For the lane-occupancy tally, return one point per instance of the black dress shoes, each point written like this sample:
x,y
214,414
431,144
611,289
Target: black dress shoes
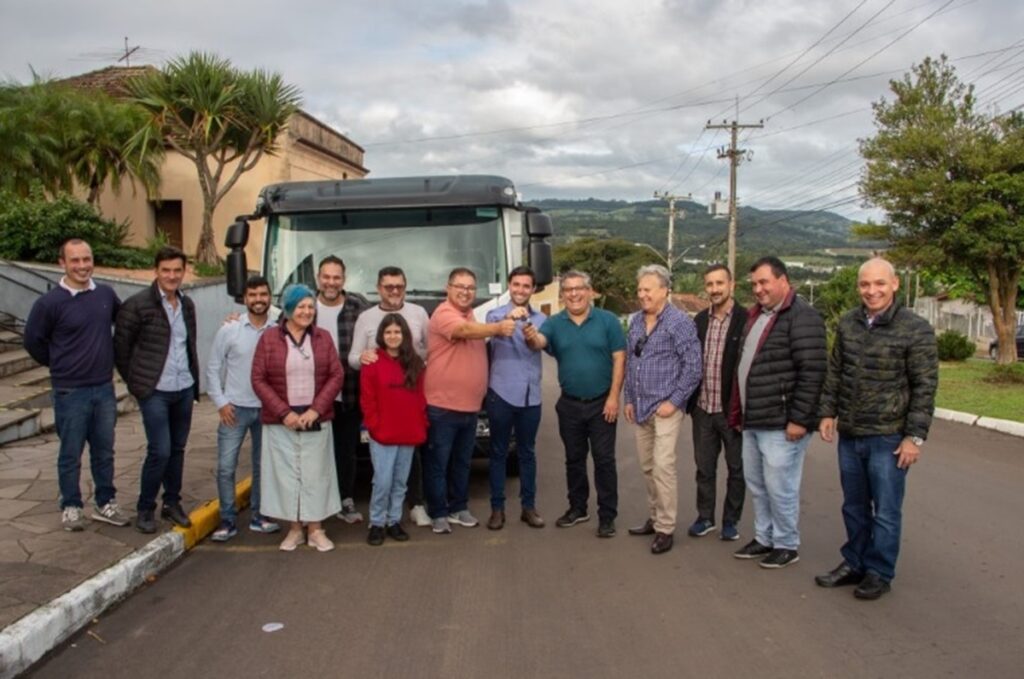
x,y
176,514
144,522
662,543
840,576
871,587
647,528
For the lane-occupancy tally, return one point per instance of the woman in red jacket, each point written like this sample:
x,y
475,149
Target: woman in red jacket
x,y
395,415
296,375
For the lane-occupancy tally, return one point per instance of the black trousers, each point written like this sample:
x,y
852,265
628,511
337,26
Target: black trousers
x,y
583,429
345,427
711,433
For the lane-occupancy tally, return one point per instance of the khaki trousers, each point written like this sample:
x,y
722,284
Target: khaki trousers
x,y
656,451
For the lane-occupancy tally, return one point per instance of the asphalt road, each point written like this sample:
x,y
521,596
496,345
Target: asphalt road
x,y
522,602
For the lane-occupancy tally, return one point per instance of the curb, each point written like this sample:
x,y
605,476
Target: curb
x,y
28,639
31,637
1003,426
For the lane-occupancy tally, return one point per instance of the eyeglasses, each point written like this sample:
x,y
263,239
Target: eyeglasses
x,y
569,291
463,288
639,349
396,287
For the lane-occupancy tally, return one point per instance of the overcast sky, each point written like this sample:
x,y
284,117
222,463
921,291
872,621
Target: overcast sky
x,y
568,98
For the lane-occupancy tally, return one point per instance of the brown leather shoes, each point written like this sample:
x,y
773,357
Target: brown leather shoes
x,y
661,544
497,520
531,518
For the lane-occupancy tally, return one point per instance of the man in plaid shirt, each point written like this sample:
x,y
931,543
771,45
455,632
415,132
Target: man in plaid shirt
x,y
720,330
663,367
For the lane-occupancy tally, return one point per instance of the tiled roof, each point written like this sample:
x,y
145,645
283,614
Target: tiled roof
x,y
110,80
691,304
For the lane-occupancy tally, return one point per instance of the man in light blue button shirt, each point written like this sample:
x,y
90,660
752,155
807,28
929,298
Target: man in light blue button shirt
x,y
229,386
513,399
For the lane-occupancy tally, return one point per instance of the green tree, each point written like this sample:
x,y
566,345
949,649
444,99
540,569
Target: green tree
x,y
612,265
952,184
837,295
222,119
53,136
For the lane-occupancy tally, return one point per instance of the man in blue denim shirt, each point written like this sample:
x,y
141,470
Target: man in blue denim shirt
x,y
513,399
663,367
229,386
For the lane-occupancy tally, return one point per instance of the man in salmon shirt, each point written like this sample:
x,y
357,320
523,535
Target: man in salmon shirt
x,y
455,385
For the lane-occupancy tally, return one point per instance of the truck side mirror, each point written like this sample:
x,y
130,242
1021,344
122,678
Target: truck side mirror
x,y
237,268
538,227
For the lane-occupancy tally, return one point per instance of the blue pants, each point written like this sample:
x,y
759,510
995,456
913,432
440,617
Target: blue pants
x,y
167,419
446,460
525,420
229,444
773,468
81,415
391,466
873,488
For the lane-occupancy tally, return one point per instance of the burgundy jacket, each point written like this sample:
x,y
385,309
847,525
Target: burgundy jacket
x,y
270,381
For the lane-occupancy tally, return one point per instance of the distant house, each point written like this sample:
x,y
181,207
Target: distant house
x,y
309,150
691,304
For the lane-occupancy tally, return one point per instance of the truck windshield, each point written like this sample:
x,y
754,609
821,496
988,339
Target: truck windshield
x,y
426,243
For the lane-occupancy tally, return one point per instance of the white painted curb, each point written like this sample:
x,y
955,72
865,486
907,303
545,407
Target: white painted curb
x,y
1004,426
955,416
31,637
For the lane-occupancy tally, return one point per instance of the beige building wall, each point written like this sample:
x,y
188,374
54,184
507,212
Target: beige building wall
x,y
309,150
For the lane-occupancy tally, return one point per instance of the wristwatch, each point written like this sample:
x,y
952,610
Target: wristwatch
x,y
918,441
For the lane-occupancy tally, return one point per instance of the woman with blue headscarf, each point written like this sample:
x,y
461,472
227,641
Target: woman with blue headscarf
x,y
296,374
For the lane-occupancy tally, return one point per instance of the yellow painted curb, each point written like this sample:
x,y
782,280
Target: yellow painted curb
x,y
206,518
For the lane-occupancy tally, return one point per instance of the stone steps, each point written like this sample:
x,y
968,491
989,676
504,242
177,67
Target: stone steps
x,y
26,408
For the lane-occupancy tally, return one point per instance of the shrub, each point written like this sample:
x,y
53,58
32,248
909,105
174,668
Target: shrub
x,y
955,346
33,228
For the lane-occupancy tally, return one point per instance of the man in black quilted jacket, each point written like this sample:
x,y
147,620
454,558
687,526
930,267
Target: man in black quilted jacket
x,y
880,395
775,401
155,352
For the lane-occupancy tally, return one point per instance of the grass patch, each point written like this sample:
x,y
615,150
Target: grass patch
x,y
963,386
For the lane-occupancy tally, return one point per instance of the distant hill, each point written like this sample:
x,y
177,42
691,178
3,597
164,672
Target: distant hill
x,y
764,231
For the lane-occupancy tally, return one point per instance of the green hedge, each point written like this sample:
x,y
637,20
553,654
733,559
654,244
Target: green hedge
x,y
33,228
955,346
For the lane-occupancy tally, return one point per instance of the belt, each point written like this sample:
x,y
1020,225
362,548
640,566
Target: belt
x,y
570,397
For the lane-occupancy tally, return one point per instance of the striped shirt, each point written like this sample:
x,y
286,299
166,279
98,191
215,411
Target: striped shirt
x,y
710,400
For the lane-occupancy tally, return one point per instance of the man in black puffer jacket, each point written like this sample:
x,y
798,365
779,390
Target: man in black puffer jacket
x,y
155,352
775,401
881,384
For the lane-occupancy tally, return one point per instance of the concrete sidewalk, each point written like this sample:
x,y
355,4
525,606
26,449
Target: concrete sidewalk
x,y
40,562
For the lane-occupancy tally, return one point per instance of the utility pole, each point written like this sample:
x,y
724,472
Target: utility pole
x,y
735,156
671,200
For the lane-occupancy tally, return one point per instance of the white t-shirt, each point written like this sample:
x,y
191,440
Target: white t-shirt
x,y
327,318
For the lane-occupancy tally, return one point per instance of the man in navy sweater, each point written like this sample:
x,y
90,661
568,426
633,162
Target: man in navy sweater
x,y
69,330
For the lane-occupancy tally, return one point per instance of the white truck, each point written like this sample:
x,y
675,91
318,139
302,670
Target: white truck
x,y
425,225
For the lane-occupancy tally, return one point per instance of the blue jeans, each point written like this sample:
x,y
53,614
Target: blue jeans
x,y
872,502
85,414
391,466
503,418
229,444
773,467
167,419
446,460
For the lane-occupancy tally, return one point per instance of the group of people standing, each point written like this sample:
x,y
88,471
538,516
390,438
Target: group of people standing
x,y
757,383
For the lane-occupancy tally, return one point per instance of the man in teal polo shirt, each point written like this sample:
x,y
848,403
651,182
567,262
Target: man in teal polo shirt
x,y
591,351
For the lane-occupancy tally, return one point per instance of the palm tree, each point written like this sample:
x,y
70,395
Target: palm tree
x,y
214,115
98,148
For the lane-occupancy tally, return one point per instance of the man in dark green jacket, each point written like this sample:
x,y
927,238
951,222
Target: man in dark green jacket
x,y
880,395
